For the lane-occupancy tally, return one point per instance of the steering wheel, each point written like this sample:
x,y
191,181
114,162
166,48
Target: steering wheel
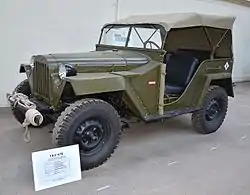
x,y
151,43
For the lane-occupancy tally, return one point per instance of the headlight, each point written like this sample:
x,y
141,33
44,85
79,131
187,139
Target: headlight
x,y
66,70
62,71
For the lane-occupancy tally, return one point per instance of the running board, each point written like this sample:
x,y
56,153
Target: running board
x,y
170,114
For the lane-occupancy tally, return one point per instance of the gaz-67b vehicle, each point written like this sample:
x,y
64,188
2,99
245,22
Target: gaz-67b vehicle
x,y
148,67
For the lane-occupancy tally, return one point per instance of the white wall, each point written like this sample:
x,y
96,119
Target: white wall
x,y
29,27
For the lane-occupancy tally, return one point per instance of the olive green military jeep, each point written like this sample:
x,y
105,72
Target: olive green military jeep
x,y
149,67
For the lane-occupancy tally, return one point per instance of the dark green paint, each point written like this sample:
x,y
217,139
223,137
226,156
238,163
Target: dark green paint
x,y
137,72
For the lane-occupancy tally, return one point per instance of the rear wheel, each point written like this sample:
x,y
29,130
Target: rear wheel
x,y
92,124
211,116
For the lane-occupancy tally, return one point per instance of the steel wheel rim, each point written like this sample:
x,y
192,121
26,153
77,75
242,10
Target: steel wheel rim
x,y
91,135
213,110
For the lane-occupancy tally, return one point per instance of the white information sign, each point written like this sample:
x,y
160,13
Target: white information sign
x,y
56,166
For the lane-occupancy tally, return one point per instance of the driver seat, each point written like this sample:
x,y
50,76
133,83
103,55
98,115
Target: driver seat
x,y
179,71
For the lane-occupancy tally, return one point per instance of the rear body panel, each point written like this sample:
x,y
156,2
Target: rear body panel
x,y
193,95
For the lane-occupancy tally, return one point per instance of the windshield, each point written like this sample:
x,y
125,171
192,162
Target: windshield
x,y
149,37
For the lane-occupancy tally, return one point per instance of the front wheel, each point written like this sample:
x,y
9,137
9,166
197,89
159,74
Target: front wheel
x,y
213,112
92,124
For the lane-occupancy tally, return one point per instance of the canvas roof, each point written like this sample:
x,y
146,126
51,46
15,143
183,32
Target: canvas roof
x,y
180,20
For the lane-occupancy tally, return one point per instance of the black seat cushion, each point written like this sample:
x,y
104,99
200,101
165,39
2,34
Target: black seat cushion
x,y
179,71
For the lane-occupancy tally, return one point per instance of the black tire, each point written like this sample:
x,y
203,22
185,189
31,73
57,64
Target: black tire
x,y
24,88
213,112
73,126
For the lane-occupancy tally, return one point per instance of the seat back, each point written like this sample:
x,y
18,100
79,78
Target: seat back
x,y
200,54
180,69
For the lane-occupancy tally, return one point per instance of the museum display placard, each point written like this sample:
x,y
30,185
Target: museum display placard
x,y
56,167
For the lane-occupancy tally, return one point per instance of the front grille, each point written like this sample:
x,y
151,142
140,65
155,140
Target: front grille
x,y
41,80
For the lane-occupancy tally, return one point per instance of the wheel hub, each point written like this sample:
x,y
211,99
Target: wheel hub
x,y
90,134
212,110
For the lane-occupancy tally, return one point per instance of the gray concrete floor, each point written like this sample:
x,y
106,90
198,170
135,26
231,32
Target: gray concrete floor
x,y
158,159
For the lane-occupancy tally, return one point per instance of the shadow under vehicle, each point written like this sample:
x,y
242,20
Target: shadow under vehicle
x,y
148,67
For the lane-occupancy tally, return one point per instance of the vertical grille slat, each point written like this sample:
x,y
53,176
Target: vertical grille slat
x,y
41,79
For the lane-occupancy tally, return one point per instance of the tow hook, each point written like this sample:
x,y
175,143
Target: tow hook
x,y
32,115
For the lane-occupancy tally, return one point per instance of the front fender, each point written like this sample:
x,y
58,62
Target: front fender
x,y
93,83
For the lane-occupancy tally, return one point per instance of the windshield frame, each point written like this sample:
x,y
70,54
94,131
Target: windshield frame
x,y
163,34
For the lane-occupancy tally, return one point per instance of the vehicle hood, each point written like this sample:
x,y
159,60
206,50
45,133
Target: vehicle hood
x,y
99,58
